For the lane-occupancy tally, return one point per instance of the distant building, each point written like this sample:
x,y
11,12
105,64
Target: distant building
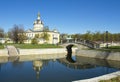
x,y
38,29
2,40
5,40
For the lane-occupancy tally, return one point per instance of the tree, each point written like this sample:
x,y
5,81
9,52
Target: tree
x,y
46,28
78,36
1,33
97,36
22,37
45,34
35,39
17,34
87,36
63,37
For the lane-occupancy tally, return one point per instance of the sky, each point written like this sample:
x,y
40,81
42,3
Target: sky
x,y
67,16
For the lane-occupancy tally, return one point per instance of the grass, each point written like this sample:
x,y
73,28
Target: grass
x,y
1,46
35,46
112,48
109,49
117,79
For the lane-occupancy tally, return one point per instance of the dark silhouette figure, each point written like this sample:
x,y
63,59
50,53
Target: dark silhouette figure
x,y
69,53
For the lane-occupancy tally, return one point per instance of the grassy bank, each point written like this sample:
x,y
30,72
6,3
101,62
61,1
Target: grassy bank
x,y
35,46
109,49
117,79
112,48
1,46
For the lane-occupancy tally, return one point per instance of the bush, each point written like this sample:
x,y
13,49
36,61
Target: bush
x,y
0,43
34,41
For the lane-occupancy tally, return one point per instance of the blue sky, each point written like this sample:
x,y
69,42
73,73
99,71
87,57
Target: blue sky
x,y
68,16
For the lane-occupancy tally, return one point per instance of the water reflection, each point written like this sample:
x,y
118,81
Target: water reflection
x,y
69,53
98,62
55,70
75,65
87,63
37,66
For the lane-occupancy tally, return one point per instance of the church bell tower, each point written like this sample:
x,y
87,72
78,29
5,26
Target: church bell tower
x,y
38,24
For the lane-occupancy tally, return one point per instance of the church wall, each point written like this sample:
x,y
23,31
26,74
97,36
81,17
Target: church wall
x,y
53,37
38,27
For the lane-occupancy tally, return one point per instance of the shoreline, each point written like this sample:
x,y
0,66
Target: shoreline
x,y
99,54
34,54
84,53
99,78
4,52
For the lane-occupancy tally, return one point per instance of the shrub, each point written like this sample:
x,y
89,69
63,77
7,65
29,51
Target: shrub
x,y
34,41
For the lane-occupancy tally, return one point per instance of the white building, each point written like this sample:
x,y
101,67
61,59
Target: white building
x,y
2,40
38,29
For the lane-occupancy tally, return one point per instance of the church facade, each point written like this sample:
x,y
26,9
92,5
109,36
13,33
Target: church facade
x,y
39,29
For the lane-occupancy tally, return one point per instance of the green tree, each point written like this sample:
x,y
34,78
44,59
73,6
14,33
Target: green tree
x,y
87,36
76,36
35,39
63,37
103,36
22,37
45,35
97,36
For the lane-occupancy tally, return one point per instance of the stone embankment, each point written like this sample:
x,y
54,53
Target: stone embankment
x,y
43,51
3,52
103,77
34,54
99,54
9,51
12,51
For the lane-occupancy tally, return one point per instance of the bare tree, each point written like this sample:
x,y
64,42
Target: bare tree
x,y
1,33
17,34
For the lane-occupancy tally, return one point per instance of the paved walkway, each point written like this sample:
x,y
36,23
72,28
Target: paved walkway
x,y
12,51
13,54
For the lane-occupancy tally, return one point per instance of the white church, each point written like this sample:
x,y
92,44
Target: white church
x,y
38,28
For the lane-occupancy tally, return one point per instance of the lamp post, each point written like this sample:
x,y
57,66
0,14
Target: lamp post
x,y
106,39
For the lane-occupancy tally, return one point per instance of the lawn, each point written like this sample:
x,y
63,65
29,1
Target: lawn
x,y
1,46
112,48
35,46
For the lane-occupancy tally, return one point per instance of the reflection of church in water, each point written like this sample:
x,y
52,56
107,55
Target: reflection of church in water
x,y
38,65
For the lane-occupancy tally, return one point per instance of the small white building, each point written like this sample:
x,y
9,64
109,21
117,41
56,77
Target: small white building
x,y
2,40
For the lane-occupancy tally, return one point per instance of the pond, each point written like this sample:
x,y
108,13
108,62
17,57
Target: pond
x,y
55,70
